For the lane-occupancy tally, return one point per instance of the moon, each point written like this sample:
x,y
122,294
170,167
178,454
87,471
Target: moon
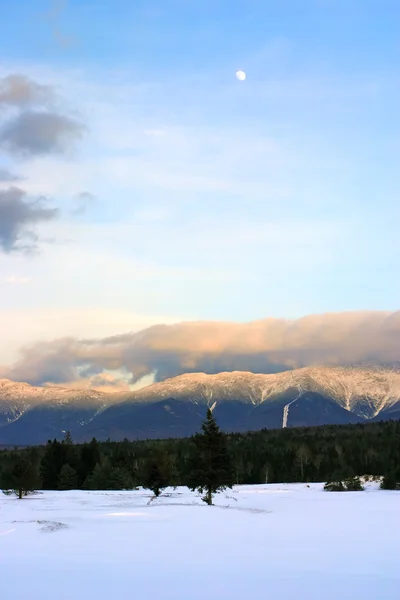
x,y
241,75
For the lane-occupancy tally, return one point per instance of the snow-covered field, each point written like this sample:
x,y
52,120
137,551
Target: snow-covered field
x,y
271,541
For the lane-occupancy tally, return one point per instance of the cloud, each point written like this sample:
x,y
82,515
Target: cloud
x,y
82,202
36,125
105,382
17,214
54,16
21,91
265,346
40,133
7,176
24,326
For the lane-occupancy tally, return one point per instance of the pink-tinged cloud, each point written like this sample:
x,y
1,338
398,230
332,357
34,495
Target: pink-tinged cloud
x,y
265,346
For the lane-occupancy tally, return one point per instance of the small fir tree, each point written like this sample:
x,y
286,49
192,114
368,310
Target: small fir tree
x,y
353,484
350,484
211,468
334,486
157,473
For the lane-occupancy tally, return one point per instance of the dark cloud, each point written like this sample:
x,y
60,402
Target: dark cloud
x,y
35,126
17,214
18,90
7,176
38,133
267,346
82,202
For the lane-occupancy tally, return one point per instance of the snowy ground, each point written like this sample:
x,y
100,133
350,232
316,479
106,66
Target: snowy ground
x,y
272,541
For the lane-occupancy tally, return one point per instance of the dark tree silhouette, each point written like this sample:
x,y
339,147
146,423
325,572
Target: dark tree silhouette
x,y
211,468
157,473
22,477
68,478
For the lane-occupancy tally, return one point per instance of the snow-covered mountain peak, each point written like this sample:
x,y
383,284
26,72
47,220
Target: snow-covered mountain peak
x,y
243,401
375,387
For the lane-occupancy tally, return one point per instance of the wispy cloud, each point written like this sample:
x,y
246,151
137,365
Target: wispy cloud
x,y
7,176
82,202
21,91
54,17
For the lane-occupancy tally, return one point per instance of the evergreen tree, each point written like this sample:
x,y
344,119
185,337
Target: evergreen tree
x,y
350,484
89,457
68,478
68,438
22,477
157,473
211,468
334,486
54,457
107,477
353,484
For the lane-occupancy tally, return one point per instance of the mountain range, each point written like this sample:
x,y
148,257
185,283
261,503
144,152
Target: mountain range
x,y
241,401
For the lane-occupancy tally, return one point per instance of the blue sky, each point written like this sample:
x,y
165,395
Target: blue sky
x,y
212,198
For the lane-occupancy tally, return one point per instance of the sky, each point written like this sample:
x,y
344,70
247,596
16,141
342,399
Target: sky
x,y
142,184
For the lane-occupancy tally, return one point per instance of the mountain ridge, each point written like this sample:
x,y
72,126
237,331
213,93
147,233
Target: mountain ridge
x,y
353,381
175,407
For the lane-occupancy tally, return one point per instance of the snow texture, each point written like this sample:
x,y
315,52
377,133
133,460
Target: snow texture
x,y
271,541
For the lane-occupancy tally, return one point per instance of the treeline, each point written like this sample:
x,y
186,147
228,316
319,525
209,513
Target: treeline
x,y
312,454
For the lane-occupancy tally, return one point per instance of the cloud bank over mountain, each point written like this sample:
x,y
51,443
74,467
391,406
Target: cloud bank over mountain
x,y
266,346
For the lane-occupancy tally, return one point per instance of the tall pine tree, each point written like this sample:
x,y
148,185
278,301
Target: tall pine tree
x,y
211,469
54,457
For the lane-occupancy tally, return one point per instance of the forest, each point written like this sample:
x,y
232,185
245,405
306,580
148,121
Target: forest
x,y
311,454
